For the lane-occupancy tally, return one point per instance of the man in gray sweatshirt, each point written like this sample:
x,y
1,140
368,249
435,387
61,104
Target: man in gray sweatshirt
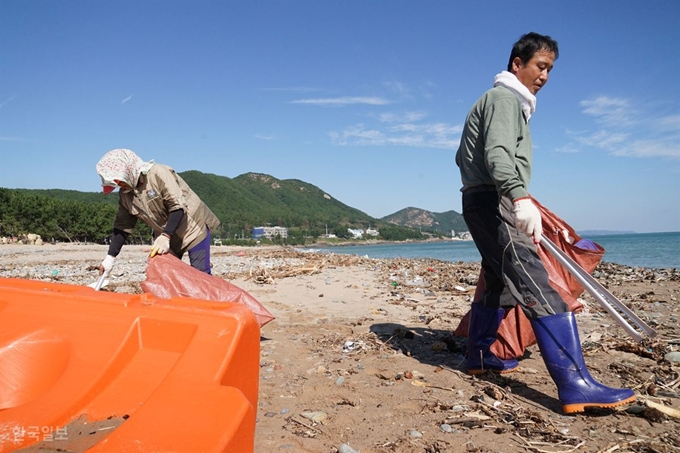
x,y
495,160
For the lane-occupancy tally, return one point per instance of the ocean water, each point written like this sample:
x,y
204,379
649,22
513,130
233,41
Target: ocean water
x,y
651,250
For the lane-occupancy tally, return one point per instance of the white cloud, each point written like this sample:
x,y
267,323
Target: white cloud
x,y
392,117
644,132
427,135
392,128
436,129
4,103
264,137
126,99
650,148
424,90
342,101
292,89
611,111
568,148
396,86
670,123
399,88
604,139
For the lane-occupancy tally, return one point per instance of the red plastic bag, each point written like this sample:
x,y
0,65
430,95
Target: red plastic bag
x,y
515,333
565,238
167,277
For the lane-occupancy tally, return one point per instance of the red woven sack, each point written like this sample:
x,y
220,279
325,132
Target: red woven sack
x,y
515,333
167,277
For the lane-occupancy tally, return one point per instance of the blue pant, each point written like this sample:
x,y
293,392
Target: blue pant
x,y
199,256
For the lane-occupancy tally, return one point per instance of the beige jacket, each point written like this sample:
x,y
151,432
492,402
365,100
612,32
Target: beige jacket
x,y
158,193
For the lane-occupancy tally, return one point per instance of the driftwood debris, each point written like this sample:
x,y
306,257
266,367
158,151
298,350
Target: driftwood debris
x,y
671,412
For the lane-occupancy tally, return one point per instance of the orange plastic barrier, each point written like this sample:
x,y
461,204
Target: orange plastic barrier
x,y
82,370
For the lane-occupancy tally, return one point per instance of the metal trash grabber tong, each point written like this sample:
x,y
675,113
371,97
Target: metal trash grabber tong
x,y
599,292
100,282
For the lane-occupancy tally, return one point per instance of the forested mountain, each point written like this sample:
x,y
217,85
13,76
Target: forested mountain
x,y
257,199
440,222
241,203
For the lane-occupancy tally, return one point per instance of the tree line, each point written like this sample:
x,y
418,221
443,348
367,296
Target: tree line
x,y
57,220
72,220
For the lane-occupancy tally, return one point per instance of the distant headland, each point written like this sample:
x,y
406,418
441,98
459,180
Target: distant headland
x,y
602,232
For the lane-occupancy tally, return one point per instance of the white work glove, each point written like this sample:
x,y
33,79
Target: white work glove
x,y
528,218
161,245
106,266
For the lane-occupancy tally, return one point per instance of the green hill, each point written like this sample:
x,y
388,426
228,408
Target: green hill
x,y
438,222
241,203
258,199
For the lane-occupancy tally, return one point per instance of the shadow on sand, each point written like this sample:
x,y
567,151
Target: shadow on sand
x,y
441,348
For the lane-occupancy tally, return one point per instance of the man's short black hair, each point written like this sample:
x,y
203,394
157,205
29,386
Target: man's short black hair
x,y
527,46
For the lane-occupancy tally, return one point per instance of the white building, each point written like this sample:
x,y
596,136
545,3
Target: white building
x,y
270,232
356,233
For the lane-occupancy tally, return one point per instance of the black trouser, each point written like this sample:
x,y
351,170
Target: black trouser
x,y
512,270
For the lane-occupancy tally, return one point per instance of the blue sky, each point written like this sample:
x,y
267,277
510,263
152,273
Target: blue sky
x,y
364,99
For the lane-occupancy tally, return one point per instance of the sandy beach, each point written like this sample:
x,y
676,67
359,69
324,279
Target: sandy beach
x,y
361,357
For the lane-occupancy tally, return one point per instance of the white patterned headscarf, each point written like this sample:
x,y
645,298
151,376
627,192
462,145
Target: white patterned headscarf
x,y
121,165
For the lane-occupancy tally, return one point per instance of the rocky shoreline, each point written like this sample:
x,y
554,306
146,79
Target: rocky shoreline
x,y
361,355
